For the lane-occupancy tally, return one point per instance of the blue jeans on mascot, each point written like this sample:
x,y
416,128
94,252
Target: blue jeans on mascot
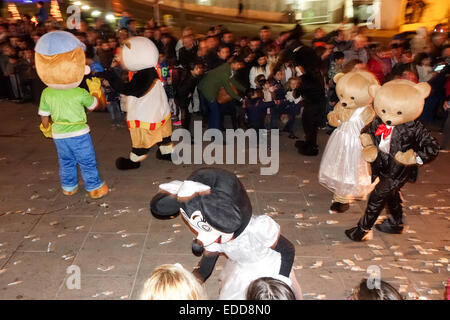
x,y
77,150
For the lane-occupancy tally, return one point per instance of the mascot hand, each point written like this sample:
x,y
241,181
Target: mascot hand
x,y
95,86
46,131
406,158
370,153
333,119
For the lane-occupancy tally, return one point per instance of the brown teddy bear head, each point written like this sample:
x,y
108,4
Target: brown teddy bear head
x,y
352,88
399,101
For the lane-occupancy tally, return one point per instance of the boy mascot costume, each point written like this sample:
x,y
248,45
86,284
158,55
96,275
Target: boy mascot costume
x,y
148,111
395,144
60,63
343,169
215,205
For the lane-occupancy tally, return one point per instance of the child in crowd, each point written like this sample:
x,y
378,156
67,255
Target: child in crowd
x,y
256,109
278,95
172,282
336,65
291,106
267,288
384,292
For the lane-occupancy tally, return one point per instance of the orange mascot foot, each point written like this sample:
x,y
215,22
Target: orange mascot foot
x,y
100,192
70,193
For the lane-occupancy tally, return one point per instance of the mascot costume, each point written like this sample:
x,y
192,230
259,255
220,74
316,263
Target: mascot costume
x,y
215,205
60,64
395,144
148,111
343,169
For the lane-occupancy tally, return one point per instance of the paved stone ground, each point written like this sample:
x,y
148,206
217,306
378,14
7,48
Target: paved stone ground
x,y
117,243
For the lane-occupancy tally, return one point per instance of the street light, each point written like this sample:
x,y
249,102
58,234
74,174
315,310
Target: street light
x,y
85,7
96,13
110,17
77,3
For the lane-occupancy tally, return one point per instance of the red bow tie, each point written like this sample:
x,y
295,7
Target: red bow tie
x,y
383,130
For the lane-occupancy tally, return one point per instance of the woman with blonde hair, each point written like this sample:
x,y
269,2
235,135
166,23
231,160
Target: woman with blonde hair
x,y
172,282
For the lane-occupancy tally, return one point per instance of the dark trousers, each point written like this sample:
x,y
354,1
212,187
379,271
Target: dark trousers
x,y
310,126
386,193
211,110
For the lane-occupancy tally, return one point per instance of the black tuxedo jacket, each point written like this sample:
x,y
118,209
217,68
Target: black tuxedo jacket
x,y
410,135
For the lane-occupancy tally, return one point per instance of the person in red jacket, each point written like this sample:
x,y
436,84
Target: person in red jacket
x,y
378,64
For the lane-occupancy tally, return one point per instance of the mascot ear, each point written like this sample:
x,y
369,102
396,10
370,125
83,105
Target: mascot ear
x,y
164,206
424,89
338,76
373,90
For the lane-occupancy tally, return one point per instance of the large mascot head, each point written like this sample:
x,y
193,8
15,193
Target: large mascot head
x,y
139,53
212,201
60,60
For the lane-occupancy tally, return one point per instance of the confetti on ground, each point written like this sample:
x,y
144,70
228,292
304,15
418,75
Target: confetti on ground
x,y
335,242
298,216
35,239
358,257
348,262
298,267
340,264
356,268
139,210
104,269
403,260
377,252
374,246
306,181
105,293
240,176
395,265
332,222
176,231
14,283
250,190
401,277
129,245
67,257
121,231
123,297
17,262
447,248
34,196
104,205
398,254
410,231
317,264
425,271
50,247
303,224
53,223
421,250
312,217
29,236
176,225
96,236
443,260
326,277
376,259
79,228
394,247
61,235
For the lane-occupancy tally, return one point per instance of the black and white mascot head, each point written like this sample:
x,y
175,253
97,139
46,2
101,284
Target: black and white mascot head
x,y
212,201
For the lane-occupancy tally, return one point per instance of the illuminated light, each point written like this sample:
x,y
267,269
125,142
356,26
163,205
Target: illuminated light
x,y
77,3
12,9
110,17
96,13
55,12
85,7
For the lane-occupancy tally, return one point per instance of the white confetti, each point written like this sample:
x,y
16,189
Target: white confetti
x,y
17,262
121,231
129,245
299,216
176,225
104,205
410,231
317,264
332,222
358,257
104,269
79,227
421,250
61,235
29,236
356,268
35,239
50,247
326,277
443,260
298,242
321,296
250,190
53,223
376,259
14,283
348,262
374,246
425,271
298,267
340,264
67,257
398,254
34,196
124,297
96,236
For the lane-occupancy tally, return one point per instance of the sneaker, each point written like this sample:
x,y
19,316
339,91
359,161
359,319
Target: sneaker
x,y
100,192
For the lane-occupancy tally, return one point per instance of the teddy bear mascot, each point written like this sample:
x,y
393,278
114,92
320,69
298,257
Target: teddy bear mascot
x,y
60,64
216,207
343,169
395,144
148,111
